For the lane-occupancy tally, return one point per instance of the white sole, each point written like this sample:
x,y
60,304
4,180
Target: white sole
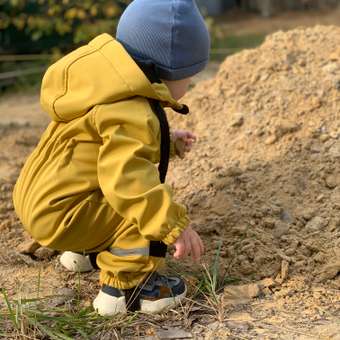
x,y
107,305
158,306
76,262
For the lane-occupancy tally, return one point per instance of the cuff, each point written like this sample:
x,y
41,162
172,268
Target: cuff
x,y
176,231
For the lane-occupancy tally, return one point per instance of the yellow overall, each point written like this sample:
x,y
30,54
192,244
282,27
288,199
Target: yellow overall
x,y
91,184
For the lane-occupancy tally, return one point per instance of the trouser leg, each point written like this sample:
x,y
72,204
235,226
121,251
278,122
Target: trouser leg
x,y
125,257
130,258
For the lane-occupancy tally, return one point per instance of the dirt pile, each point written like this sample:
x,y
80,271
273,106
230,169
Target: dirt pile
x,y
264,177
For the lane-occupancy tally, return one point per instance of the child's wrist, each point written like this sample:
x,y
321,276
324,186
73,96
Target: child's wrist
x,y
174,234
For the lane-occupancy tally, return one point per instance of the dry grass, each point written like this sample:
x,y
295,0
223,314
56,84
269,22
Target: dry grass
x,y
38,318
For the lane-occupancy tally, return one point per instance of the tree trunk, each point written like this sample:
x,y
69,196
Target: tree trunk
x,y
266,7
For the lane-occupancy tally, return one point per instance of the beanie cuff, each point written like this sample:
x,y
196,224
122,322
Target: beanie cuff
x,y
164,72
180,73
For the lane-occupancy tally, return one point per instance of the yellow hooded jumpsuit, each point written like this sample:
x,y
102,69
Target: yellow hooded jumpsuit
x,y
91,184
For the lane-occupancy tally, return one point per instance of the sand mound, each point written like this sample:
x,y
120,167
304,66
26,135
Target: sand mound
x,y
264,177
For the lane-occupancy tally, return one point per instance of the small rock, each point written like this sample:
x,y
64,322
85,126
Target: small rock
x,y
62,296
246,268
283,275
330,271
28,247
334,134
331,68
236,295
320,198
259,260
285,127
316,224
334,150
324,138
332,181
281,229
264,77
27,140
21,258
290,251
255,78
315,148
308,214
286,217
44,253
5,225
221,332
269,223
319,257
240,230
259,132
283,256
329,331
237,120
337,84
238,327
267,283
335,56
271,140
173,333
215,325
234,171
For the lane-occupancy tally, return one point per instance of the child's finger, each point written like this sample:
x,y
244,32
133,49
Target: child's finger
x,y
191,135
187,245
189,140
200,242
195,250
180,249
202,245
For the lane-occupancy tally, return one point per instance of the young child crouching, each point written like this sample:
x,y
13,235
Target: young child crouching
x,y
91,187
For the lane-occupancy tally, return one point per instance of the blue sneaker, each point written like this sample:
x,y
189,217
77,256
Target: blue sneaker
x,y
156,294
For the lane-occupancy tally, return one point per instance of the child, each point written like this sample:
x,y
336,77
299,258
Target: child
x,y
91,186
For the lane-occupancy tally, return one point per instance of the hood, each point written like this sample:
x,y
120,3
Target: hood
x,y
101,72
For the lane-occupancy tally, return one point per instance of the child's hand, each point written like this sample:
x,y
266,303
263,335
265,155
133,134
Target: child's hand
x,y
183,141
189,243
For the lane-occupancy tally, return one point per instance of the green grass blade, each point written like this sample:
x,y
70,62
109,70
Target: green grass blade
x,y
12,314
215,268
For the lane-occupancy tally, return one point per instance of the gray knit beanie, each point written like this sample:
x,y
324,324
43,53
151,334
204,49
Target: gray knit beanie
x,y
169,33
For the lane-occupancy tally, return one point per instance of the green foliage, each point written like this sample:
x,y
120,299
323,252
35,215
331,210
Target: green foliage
x,y
33,26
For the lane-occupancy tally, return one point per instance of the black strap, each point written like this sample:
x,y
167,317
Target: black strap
x,y
132,299
132,296
158,249
150,72
165,139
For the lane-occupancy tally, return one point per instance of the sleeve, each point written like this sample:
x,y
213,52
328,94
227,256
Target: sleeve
x,y
127,172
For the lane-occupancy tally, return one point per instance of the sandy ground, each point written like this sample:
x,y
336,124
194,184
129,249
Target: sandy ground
x,y
295,309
